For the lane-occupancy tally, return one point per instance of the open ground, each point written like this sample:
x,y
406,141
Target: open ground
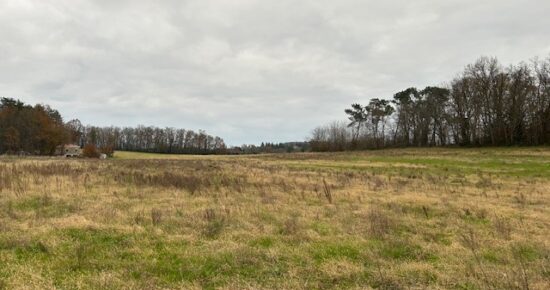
x,y
389,219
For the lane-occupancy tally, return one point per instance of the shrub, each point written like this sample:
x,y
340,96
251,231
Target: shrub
x,y
107,150
90,151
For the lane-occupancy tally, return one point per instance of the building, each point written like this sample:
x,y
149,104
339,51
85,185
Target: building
x,y
69,150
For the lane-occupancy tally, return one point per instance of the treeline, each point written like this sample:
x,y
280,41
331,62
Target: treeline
x,y
268,147
35,129
40,130
486,105
146,139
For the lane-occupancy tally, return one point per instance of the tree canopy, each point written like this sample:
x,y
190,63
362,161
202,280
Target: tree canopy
x,y
486,105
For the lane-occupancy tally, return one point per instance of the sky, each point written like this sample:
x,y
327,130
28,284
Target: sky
x,y
249,70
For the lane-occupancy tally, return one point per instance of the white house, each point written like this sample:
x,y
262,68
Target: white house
x,y
69,150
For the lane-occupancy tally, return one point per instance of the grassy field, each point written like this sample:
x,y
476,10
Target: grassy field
x,y
391,219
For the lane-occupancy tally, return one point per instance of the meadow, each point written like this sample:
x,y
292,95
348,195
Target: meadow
x,y
391,219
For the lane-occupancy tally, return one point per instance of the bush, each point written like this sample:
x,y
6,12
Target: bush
x,y
107,150
90,151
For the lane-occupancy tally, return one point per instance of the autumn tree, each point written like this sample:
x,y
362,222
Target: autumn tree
x,y
90,151
37,129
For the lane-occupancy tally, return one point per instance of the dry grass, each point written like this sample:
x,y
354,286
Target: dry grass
x,y
392,219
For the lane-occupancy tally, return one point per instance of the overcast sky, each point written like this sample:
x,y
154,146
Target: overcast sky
x,y
248,70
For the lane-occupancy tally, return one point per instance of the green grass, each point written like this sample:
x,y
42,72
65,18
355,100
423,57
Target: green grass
x,y
508,161
408,164
326,251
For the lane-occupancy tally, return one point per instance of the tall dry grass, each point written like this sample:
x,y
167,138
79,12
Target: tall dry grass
x,y
385,219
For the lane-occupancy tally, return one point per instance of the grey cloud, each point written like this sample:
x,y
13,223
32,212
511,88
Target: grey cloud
x,y
248,70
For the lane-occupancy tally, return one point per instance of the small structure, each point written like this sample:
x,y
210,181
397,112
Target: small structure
x,y
69,150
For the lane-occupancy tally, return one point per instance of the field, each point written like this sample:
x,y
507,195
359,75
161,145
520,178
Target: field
x,y
390,219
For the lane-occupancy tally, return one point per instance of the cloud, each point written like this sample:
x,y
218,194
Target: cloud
x,y
248,70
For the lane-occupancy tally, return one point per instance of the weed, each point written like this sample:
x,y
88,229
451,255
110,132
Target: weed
x,y
139,218
156,216
503,228
469,240
521,199
379,223
214,224
290,226
80,253
327,191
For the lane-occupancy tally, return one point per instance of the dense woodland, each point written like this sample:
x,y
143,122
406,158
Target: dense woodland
x,y
35,129
39,130
486,105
